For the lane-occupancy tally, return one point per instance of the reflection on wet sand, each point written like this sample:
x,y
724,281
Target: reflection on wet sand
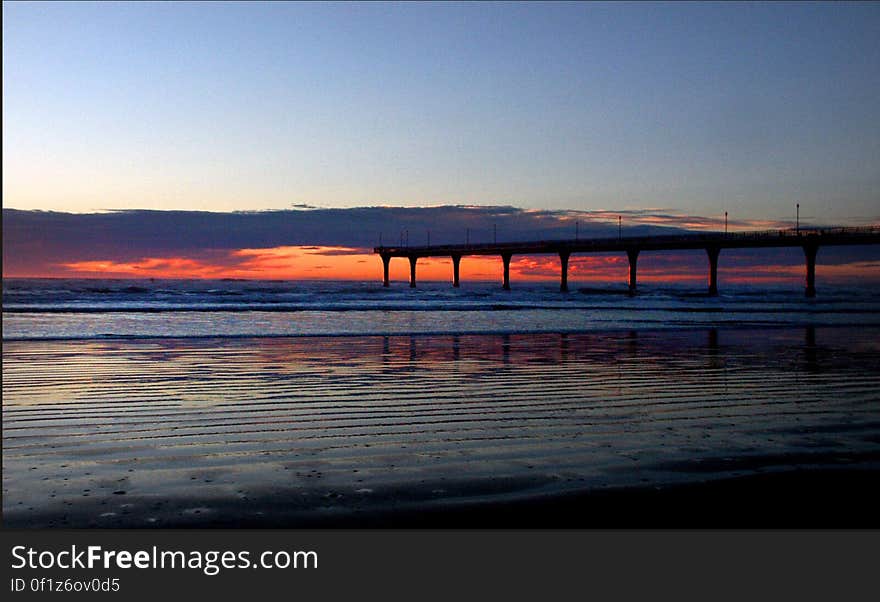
x,y
194,431
519,349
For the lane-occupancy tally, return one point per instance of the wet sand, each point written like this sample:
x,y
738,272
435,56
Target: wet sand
x,y
692,428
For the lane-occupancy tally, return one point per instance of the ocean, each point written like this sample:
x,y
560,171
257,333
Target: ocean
x,y
85,309
261,403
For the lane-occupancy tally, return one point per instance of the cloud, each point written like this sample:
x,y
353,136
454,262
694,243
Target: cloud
x,y
278,262
279,243
149,267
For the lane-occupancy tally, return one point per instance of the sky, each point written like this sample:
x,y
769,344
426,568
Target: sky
x,y
686,110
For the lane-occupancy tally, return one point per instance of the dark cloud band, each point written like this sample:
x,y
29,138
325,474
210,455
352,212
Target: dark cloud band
x,y
38,241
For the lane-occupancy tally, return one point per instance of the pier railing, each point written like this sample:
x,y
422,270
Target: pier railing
x,y
790,234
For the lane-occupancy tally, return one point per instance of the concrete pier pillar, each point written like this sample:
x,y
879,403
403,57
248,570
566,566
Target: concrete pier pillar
x,y
386,259
713,252
563,260
505,257
456,260
810,255
412,271
633,255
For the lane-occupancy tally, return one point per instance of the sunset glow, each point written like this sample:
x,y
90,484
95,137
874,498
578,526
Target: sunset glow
x,y
345,263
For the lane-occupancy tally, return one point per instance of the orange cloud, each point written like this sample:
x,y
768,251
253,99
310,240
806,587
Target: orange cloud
x,y
149,267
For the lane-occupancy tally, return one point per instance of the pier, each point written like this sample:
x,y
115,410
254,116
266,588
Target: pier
x,y
712,242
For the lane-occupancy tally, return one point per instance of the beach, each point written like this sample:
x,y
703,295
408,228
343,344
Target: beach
x,y
776,425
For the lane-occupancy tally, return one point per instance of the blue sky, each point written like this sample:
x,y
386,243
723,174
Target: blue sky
x,y
698,108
